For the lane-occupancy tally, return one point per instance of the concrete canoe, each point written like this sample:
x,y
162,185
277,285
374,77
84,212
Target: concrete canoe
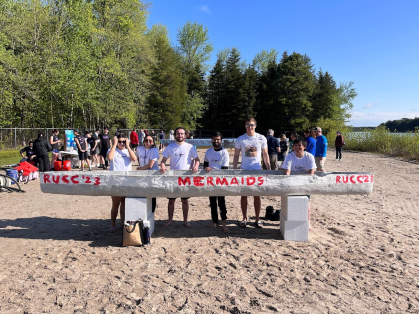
x,y
215,183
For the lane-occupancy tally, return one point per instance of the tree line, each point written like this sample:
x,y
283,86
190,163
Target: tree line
x,y
68,64
402,125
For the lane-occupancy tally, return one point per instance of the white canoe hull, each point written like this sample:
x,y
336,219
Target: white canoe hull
x,y
215,183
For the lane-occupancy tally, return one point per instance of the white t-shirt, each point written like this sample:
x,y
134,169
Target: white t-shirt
x,y
180,155
145,155
121,160
251,149
217,159
305,163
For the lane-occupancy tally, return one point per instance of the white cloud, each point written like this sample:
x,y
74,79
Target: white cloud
x,y
371,104
205,8
360,118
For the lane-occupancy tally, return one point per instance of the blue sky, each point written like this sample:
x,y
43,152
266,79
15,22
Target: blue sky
x,y
373,43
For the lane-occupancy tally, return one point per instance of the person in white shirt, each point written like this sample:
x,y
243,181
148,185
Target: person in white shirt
x,y
217,158
148,156
182,156
299,160
121,157
251,145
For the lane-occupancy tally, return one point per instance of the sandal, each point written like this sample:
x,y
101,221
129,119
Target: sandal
x,y
259,224
243,224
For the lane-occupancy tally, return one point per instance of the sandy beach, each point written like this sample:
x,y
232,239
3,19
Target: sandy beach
x,y
57,255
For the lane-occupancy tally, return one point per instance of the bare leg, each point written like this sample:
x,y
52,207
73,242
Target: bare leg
x,y
116,200
256,203
244,207
54,158
185,208
122,212
171,210
225,229
88,163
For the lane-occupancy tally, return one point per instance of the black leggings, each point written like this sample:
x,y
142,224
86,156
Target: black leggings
x,y
43,161
221,204
103,153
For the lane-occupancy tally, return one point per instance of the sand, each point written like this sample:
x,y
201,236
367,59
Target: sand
x,y
362,257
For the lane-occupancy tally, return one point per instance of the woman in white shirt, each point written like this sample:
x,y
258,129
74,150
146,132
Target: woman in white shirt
x,y
148,156
121,157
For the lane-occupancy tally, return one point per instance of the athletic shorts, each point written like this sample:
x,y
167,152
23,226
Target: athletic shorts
x,y
320,163
83,155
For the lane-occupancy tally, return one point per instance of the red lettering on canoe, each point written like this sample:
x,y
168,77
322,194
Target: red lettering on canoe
x,y
46,178
181,181
219,181
65,179
73,179
197,181
234,181
250,180
56,179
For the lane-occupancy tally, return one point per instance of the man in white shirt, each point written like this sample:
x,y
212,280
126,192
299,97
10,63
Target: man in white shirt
x,y
299,160
251,145
217,158
182,156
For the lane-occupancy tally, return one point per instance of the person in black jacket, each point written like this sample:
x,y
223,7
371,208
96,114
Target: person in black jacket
x,y
42,148
30,153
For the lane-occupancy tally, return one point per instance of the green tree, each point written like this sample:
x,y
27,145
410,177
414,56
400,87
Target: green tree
x,y
296,85
168,96
194,45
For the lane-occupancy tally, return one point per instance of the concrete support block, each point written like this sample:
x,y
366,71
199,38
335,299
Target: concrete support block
x,y
293,230
139,208
294,208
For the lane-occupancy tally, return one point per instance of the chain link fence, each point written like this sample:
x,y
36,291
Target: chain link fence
x,y
17,138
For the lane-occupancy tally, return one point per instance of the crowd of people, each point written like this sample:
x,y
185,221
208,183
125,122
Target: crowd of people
x,y
299,154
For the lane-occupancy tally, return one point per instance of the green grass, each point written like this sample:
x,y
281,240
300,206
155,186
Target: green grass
x,y
380,140
9,157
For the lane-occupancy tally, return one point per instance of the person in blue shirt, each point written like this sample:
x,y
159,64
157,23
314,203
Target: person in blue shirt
x,y
321,149
311,142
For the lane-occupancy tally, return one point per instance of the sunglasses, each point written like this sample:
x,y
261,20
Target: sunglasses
x,y
250,124
122,142
149,141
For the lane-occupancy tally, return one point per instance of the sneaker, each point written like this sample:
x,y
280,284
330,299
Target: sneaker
x,y
336,159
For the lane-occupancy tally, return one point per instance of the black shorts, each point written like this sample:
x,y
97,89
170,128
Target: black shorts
x,y
104,152
83,155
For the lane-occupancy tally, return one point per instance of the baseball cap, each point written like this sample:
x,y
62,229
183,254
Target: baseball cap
x,y
76,131
338,132
317,129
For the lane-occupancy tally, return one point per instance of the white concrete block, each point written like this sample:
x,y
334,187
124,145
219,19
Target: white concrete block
x,y
293,230
139,208
294,208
